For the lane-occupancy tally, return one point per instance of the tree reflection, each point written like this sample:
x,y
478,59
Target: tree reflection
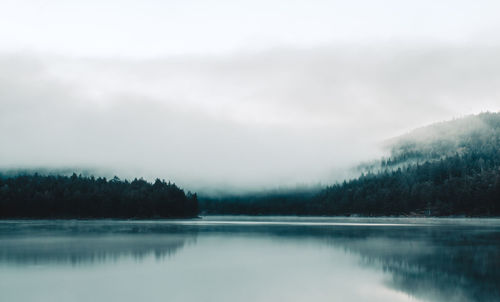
x,y
436,262
81,243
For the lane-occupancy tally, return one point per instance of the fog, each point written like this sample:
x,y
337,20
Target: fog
x,y
277,118
209,97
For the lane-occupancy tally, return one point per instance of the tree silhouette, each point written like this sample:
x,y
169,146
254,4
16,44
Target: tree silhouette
x,y
36,196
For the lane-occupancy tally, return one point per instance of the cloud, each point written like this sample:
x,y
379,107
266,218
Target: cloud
x,y
275,118
158,28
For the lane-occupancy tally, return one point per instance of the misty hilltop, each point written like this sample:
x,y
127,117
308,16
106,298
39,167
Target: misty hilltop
x,y
447,168
471,134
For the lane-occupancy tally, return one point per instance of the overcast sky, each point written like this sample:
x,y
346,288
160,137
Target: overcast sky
x,y
235,94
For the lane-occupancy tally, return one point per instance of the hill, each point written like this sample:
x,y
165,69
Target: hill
x,y
448,168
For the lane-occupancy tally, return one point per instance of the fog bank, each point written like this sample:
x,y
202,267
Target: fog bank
x,y
281,117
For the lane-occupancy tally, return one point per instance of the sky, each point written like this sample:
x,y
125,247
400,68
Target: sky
x,y
235,94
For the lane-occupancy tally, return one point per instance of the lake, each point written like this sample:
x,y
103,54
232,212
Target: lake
x,y
251,259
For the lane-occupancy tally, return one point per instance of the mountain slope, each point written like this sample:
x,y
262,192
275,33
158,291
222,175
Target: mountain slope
x,y
471,134
449,168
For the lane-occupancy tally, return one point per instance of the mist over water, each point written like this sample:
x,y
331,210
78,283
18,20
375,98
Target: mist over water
x,y
251,259
258,107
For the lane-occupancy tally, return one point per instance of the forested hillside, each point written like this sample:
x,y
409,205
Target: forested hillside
x,y
478,134
37,196
449,168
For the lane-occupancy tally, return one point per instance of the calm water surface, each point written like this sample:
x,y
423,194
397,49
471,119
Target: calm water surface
x,y
251,259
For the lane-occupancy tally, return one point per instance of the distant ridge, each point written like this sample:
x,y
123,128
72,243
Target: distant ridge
x,y
447,168
435,141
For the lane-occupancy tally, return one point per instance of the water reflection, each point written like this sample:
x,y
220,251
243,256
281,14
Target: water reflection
x,y
85,242
434,260
437,264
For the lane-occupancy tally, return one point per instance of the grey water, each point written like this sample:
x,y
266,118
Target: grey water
x,y
251,259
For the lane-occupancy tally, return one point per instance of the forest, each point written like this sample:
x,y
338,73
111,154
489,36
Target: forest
x,y
49,196
446,169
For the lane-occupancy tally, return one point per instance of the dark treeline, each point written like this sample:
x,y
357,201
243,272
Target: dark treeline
x,y
450,168
37,196
264,203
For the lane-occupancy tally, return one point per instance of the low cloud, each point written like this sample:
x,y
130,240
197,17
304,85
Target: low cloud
x,y
277,118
